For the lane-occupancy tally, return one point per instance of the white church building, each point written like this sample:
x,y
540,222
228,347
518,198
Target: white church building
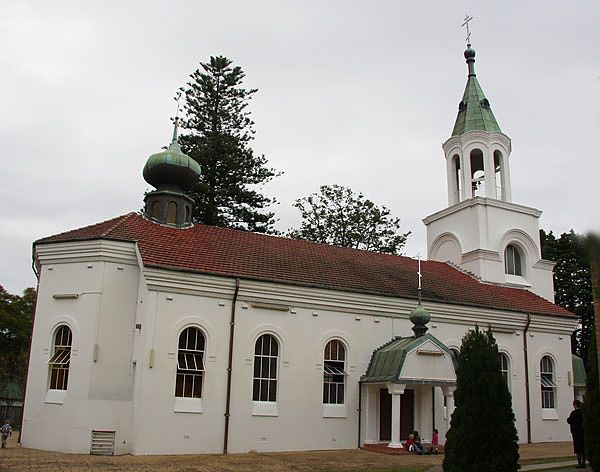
x,y
153,335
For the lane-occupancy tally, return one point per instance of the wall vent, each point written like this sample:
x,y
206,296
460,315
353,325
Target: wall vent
x,y
103,443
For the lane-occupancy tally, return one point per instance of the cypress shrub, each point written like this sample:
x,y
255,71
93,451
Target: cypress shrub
x,y
482,434
591,409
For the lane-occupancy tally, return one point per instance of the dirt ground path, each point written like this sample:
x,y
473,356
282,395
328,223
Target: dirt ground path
x,y
18,459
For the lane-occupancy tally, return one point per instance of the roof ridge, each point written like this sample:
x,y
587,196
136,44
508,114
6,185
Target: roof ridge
x,y
306,241
119,221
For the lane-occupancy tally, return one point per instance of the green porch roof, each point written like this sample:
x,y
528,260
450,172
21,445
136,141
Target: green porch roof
x,y
474,111
388,360
578,371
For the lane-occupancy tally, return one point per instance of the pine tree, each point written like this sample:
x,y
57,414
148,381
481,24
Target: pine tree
x,y
482,434
219,132
572,283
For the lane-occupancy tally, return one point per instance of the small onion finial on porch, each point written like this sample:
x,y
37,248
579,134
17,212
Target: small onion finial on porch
x,y
419,316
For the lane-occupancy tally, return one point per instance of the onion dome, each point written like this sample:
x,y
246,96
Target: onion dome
x,y
419,317
171,168
469,52
172,173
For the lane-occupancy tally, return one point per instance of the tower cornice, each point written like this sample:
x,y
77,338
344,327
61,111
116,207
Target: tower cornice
x,y
476,201
484,137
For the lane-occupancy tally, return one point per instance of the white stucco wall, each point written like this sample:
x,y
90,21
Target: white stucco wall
x,y
480,229
98,394
124,391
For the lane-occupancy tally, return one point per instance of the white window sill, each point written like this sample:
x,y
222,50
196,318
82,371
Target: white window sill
x,y
334,411
264,409
188,405
549,414
516,280
56,397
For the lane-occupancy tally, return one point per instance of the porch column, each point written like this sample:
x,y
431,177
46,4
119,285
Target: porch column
x,y
370,411
449,394
396,390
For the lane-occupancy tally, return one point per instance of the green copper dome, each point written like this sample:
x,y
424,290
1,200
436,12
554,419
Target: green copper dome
x,y
474,111
171,168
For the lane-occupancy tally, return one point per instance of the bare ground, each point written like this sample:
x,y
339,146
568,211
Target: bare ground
x,y
17,459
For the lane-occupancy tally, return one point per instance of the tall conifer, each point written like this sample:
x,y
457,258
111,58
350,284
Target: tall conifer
x,y
482,435
219,132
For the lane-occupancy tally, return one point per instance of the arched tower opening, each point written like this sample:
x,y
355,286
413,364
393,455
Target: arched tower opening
x,y
477,173
499,173
457,178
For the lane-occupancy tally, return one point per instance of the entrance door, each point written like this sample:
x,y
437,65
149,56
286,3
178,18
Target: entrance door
x,y
407,413
385,415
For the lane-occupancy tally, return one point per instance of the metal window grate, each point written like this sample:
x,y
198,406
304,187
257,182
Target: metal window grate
x,y
190,361
548,382
331,369
61,357
103,443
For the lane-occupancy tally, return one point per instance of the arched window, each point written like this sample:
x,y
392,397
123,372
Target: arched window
x,y
505,368
190,364
172,213
548,383
61,358
266,355
187,214
512,261
334,372
477,173
155,212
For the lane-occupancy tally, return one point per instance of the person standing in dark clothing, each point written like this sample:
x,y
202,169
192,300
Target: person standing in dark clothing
x,y
575,421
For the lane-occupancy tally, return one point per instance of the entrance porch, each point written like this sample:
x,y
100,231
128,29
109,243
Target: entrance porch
x,y
409,386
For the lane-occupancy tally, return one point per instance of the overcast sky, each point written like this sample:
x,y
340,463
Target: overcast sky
x,y
356,93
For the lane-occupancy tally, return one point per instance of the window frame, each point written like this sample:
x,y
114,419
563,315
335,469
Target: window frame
x,y
334,373
265,362
513,261
190,353
505,370
59,363
548,384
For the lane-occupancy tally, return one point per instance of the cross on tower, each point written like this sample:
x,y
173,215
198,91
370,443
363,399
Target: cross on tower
x,y
177,98
466,23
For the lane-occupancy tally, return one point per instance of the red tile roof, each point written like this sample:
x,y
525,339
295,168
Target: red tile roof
x,y
232,253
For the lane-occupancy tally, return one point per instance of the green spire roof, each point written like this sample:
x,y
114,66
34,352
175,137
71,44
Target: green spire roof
x,y
474,111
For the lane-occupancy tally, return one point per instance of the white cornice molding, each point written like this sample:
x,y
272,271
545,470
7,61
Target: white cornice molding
x,y
485,202
544,264
119,252
313,298
484,137
481,254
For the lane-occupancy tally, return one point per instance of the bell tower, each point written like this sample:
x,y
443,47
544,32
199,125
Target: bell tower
x,y
482,230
